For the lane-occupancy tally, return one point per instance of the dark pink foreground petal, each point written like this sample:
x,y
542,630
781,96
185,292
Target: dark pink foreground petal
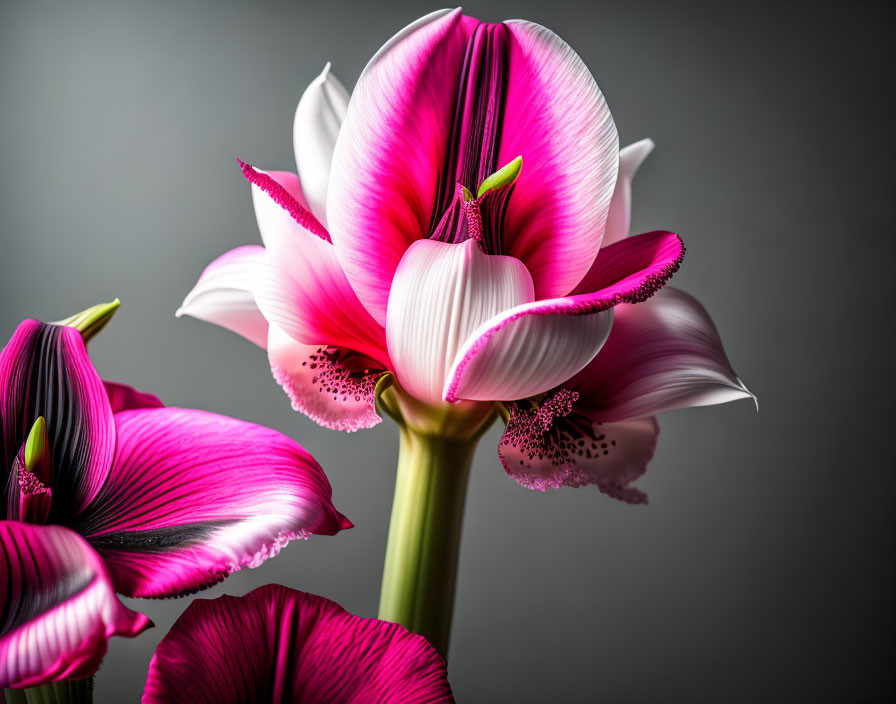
x,y
284,646
549,445
45,371
57,606
194,496
124,398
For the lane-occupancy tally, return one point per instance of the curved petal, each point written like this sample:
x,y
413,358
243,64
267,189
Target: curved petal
x,y
304,292
193,497
334,388
123,397
534,347
385,170
661,355
276,645
619,219
225,294
549,445
319,115
441,293
45,371
558,119
58,606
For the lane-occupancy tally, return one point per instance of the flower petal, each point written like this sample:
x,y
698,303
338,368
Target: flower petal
x,y
385,169
662,354
441,293
57,606
277,644
334,388
558,120
45,371
193,497
319,115
534,347
123,397
550,444
225,294
304,292
619,219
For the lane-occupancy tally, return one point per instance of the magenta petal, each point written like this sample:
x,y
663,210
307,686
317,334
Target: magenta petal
x,y
124,398
535,347
549,445
333,387
194,496
45,371
57,606
385,172
662,354
558,120
280,645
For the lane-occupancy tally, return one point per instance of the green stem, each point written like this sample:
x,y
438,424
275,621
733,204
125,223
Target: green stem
x,y
420,572
65,692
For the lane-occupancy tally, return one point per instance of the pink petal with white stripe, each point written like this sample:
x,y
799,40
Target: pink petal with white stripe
x,y
441,294
550,444
194,496
537,346
619,219
58,608
280,645
225,294
558,120
392,145
304,292
319,115
335,388
662,354
45,371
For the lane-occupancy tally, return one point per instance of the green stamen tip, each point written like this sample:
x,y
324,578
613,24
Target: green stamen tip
x,y
468,194
89,322
36,444
502,177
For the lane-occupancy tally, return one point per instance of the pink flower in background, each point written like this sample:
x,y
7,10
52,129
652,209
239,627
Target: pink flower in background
x,y
141,499
472,242
280,645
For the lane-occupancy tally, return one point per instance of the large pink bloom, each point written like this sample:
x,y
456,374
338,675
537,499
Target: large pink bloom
x,y
106,490
280,645
475,175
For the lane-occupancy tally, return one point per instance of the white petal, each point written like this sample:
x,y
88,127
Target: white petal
x,y
526,351
440,294
225,294
319,116
619,219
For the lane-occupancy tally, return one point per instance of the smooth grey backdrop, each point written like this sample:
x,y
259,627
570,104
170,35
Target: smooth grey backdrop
x,y
763,568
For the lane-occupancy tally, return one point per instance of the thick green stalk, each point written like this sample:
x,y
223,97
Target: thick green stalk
x,y
420,572
66,692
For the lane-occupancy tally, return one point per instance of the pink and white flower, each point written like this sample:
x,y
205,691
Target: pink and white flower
x,y
280,645
106,490
473,242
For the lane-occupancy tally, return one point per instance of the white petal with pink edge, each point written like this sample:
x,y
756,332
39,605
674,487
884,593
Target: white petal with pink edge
x,y
225,294
662,354
441,293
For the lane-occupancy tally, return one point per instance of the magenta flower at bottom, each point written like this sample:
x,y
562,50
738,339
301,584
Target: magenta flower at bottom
x,y
280,645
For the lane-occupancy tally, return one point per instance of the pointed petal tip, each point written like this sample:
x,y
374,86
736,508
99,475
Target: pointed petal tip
x,y
345,523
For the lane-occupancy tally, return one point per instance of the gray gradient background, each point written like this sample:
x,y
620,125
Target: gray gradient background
x,y
763,568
